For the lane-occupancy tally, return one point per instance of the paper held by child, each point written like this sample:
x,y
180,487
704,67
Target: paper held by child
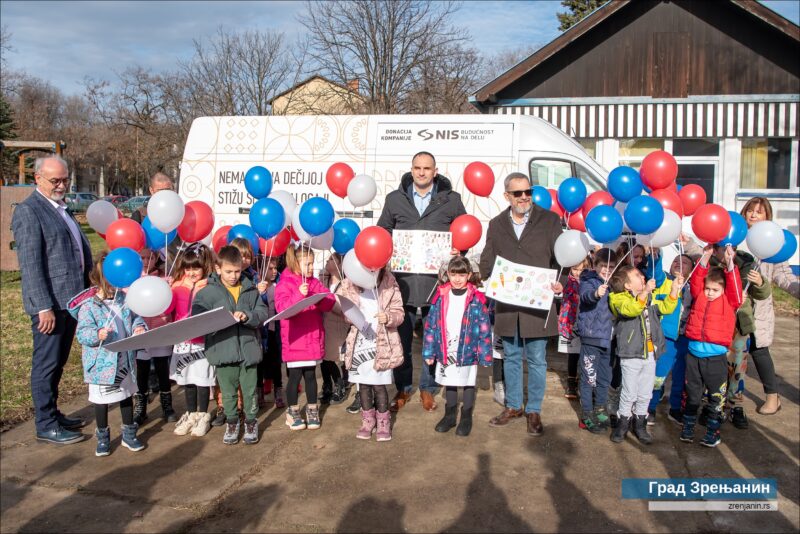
x,y
173,333
521,285
353,313
296,308
420,251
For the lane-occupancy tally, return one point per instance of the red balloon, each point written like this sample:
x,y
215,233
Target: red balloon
x,y
669,200
338,178
658,170
555,206
467,231
711,223
220,237
479,179
125,233
576,221
277,245
374,247
198,221
598,198
692,197
101,235
120,215
293,234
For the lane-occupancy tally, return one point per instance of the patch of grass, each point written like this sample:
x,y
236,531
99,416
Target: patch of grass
x,y
785,302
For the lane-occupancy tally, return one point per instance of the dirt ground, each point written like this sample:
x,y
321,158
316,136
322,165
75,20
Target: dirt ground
x,y
496,480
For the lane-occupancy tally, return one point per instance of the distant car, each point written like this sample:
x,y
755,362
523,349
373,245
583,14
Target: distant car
x,y
78,202
116,199
132,204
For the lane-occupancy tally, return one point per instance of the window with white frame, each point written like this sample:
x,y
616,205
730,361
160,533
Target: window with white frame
x,y
767,164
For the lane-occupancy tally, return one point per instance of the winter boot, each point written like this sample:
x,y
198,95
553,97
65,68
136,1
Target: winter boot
x,y
612,405
166,407
687,433
326,394
738,418
572,388
103,436
384,426
449,419
293,419
618,435
640,429
712,437
312,417
339,392
139,408
368,422
499,394
129,438
465,423
589,422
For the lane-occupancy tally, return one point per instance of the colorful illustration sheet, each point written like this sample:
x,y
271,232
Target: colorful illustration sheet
x,y
420,251
296,308
521,285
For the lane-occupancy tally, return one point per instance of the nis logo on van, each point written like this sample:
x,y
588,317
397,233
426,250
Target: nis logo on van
x,y
427,135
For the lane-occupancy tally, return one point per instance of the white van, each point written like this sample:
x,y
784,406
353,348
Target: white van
x,y
299,149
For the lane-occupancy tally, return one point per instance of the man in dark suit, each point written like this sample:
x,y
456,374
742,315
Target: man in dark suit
x,y
524,233
54,261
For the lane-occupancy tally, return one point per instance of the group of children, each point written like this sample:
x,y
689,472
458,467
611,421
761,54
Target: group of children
x,y
626,325
242,362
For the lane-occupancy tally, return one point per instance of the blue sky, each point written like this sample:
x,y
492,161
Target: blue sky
x,y
67,41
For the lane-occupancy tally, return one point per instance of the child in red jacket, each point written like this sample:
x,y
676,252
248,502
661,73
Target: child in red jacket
x,y
716,294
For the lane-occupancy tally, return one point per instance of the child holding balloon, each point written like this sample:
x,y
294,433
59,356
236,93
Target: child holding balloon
x,y
189,367
566,321
102,318
302,335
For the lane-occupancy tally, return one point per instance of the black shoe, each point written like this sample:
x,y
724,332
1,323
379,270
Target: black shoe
x,y
59,436
738,418
676,416
166,407
220,419
618,435
325,396
70,423
465,423
139,408
449,420
339,392
640,430
356,406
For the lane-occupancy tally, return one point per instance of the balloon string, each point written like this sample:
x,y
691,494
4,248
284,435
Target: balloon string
x,y
175,261
618,264
378,304
653,260
755,268
560,270
111,314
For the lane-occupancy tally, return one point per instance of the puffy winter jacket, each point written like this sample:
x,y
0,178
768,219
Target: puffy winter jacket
x,y
714,321
630,327
183,293
475,338
569,307
595,320
671,323
303,335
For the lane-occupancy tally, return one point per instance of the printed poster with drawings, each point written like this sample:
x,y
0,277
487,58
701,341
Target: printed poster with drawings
x,y
420,251
521,285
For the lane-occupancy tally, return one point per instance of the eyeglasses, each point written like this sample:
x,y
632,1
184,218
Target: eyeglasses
x,y
62,181
517,194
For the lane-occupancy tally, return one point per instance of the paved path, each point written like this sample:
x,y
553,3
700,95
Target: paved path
x,y
497,480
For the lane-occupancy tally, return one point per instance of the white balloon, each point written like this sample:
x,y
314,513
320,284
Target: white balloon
x,y
765,239
571,248
361,190
149,296
100,214
620,207
165,210
357,273
304,236
322,241
286,200
668,232
207,240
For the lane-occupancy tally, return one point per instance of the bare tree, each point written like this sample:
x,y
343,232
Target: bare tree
x,y
444,82
381,43
496,64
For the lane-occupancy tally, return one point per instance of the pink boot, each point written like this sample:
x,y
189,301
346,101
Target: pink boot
x,y
384,426
367,424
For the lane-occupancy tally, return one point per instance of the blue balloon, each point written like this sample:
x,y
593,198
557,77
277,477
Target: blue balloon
x,y
155,238
787,250
246,232
267,217
604,224
258,182
122,267
345,232
738,231
624,183
571,194
541,197
644,215
316,216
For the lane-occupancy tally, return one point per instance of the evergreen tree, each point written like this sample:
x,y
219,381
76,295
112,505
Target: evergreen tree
x,y
7,131
577,10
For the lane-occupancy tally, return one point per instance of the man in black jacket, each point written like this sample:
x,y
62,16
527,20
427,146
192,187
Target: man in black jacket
x,y
425,200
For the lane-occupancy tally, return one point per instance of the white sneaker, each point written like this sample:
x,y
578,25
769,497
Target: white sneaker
x,y
202,424
185,424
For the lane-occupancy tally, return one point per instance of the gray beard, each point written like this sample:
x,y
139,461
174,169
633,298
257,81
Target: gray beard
x,y
520,211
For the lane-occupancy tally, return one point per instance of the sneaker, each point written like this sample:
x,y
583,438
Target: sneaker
x,y
676,416
202,424
219,419
185,424
293,419
589,422
231,436
312,417
250,432
651,418
602,418
279,400
355,407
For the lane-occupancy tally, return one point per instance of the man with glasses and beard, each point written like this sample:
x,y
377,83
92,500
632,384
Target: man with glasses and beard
x,y
524,233
54,262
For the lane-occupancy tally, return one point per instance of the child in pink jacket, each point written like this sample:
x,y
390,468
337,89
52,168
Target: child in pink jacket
x,y
302,335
